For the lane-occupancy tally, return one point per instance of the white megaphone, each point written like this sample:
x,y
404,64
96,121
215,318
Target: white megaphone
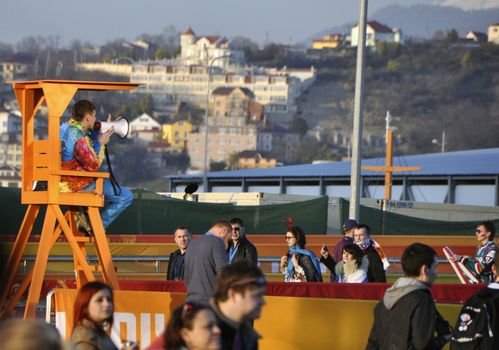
x,y
120,126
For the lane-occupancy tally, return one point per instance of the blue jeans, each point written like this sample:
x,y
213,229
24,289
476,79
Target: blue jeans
x,y
113,204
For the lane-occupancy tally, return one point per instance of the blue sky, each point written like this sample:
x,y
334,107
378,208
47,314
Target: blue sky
x,y
98,21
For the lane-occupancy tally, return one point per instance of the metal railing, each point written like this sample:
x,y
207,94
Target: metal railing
x,y
157,260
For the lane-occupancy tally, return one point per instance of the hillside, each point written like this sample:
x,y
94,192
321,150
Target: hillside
x,y
423,21
428,87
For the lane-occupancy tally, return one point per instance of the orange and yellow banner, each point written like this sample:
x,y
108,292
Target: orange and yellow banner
x,y
138,316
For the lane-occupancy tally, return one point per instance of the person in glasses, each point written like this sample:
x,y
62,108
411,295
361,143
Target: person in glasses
x,y
300,264
481,264
175,270
240,248
238,299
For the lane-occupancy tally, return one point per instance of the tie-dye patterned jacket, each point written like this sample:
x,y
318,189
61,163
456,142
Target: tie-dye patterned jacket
x,y
80,150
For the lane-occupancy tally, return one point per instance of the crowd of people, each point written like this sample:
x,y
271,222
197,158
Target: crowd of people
x,y
225,293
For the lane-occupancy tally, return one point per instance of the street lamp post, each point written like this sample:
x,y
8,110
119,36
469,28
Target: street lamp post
x,y
441,144
355,185
205,167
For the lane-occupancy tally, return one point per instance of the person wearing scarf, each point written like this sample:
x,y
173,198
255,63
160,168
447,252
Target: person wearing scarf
x,y
353,267
375,270
300,264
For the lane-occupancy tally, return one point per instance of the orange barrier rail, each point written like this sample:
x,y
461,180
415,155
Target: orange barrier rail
x,y
442,293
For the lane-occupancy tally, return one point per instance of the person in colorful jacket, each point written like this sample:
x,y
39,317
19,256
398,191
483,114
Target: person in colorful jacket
x,y
481,264
83,149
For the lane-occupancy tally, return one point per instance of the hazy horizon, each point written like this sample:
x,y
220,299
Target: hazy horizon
x,y
98,21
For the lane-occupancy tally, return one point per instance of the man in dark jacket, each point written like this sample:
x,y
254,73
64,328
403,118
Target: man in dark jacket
x,y
375,270
238,299
240,248
175,270
407,318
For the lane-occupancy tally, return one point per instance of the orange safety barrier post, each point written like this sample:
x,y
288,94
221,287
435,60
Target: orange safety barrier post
x,y
42,162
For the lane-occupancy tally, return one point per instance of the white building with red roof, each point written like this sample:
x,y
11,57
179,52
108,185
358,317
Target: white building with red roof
x,y
201,50
377,32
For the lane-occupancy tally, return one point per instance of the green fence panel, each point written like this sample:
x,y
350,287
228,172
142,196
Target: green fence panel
x,y
151,213
387,223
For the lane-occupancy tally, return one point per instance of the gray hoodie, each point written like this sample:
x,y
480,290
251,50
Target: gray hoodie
x,y
403,286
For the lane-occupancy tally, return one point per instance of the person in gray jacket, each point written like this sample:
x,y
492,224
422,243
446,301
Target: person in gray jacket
x,y
205,257
407,317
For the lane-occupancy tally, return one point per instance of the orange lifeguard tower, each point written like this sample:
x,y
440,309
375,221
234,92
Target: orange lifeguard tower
x,y
42,162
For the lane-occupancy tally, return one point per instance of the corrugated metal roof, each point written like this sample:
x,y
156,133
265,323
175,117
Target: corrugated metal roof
x,y
472,162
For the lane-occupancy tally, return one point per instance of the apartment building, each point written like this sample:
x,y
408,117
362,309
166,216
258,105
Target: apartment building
x,y
232,126
9,176
276,90
185,79
15,67
278,140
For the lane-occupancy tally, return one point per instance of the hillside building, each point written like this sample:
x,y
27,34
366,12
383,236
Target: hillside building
x,y
330,41
9,176
175,133
377,32
255,159
232,127
203,50
16,67
493,34
476,37
185,79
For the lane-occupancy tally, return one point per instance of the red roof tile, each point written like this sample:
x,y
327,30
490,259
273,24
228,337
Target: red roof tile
x,y
378,27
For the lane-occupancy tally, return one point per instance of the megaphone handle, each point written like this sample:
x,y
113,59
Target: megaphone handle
x,y
114,183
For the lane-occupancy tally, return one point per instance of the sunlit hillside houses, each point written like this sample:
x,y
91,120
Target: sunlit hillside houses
x,y
201,50
185,79
377,32
233,122
145,127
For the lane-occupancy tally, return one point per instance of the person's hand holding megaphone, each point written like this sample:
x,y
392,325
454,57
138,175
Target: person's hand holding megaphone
x,y
105,136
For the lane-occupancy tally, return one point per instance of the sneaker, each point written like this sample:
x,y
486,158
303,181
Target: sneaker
x,y
82,223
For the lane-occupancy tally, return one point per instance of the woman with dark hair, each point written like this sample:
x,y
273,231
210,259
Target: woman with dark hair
x,y
300,264
353,267
191,327
93,318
